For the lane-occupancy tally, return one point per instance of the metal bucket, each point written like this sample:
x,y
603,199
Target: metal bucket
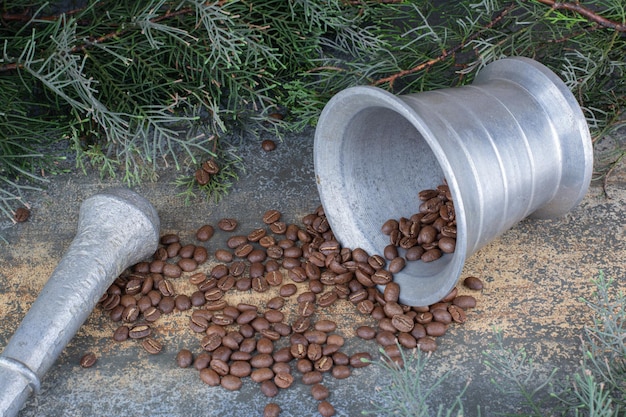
x,y
513,144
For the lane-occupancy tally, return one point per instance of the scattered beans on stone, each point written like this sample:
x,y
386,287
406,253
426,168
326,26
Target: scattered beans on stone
x,y
303,270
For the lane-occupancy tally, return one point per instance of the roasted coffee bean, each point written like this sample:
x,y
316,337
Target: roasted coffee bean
x,y
186,265
278,228
288,290
227,224
88,360
151,346
304,365
390,252
314,352
423,318
205,233
170,270
465,301
121,334
261,374
402,322
298,350
391,292
197,299
209,377
259,284
457,313
406,340
226,283
169,238
184,358
431,255
323,364
326,326
219,366
312,377
243,250
341,372
187,251
389,226
435,328
211,342
243,284
366,332
262,360
305,308
327,299
257,269
442,316
447,244
283,354
172,250
260,323
473,283
365,306
282,329
231,382
281,367
427,344
392,308
139,331
360,359
325,409
202,360
396,265
283,380
224,255
381,277
414,253
167,305
271,409
271,216
274,278
385,338
269,389
166,288
152,314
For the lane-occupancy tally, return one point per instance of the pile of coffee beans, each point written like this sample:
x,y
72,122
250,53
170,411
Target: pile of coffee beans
x,y
425,235
299,271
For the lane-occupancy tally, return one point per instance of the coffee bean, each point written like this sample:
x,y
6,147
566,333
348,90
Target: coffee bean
x,y
465,301
312,377
186,265
341,372
319,392
209,377
283,380
435,328
205,233
139,331
431,255
389,226
402,322
151,346
271,409
447,244
442,316
473,283
326,409
427,344
268,145
396,265
262,360
231,382
227,224
269,389
457,313
261,374
88,360
360,359
169,238
327,299
184,358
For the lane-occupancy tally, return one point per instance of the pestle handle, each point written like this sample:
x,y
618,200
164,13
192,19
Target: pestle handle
x,y
116,229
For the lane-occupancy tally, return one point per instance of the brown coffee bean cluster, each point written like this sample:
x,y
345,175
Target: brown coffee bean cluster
x,y
304,270
426,235
204,173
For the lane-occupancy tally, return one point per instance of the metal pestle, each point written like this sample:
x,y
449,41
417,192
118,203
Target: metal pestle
x,y
116,229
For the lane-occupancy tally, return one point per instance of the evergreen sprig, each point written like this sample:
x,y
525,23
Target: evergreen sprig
x,y
132,87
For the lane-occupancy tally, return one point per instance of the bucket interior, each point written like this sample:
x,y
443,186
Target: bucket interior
x,y
383,162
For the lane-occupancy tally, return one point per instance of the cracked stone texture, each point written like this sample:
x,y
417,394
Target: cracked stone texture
x,y
535,275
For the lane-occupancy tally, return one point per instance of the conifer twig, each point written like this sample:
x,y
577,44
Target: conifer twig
x,y
446,53
586,13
